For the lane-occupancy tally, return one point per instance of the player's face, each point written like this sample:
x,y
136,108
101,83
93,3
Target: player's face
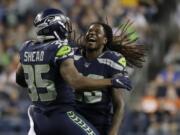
x,y
95,37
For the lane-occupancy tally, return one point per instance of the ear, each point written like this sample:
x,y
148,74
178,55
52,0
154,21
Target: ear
x,y
105,40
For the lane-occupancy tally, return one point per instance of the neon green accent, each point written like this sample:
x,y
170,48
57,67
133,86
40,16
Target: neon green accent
x,y
122,61
64,50
80,123
134,35
131,29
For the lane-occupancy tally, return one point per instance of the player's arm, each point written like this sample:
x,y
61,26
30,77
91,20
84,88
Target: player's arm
x,y
118,107
20,79
70,74
117,97
79,82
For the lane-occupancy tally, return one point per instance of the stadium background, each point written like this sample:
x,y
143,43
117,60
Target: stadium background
x,y
153,108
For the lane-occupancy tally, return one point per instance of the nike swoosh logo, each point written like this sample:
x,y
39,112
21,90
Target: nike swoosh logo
x,y
119,81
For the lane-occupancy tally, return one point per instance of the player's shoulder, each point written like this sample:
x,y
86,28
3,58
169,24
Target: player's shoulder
x,y
63,49
25,45
114,57
111,54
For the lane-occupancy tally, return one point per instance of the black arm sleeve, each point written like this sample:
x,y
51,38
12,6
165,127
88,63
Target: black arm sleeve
x,y
20,79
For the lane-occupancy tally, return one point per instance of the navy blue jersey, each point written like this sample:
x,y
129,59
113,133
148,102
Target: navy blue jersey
x,y
41,62
96,106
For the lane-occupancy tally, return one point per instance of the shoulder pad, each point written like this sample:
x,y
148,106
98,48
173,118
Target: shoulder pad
x,y
63,50
116,57
25,44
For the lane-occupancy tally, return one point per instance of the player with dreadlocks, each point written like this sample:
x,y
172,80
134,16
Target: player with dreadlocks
x,y
103,55
47,69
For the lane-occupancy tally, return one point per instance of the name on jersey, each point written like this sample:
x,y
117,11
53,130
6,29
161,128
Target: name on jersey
x,y
34,56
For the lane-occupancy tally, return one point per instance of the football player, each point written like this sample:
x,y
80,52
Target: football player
x,y
97,60
47,69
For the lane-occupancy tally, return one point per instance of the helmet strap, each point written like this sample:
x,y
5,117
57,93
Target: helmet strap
x,y
56,35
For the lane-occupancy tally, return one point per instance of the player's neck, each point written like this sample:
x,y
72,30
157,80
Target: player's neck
x,y
91,55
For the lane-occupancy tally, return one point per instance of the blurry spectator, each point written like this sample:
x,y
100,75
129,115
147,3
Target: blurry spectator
x,y
149,101
86,17
173,55
5,58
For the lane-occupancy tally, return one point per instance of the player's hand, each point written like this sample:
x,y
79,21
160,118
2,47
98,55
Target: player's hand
x,y
121,82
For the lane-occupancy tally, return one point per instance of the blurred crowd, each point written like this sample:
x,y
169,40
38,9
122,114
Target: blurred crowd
x,y
154,105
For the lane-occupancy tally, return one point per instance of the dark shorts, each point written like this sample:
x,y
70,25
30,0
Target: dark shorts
x,y
58,123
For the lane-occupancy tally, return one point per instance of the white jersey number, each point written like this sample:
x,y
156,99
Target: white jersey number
x,y
35,81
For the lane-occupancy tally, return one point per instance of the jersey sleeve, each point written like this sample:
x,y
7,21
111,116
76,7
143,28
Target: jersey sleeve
x,y
63,52
117,64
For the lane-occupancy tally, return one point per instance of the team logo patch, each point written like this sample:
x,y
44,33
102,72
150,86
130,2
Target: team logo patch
x,y
122,61
64,50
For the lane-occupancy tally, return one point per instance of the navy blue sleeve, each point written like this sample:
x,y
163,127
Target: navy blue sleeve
x,y
117,64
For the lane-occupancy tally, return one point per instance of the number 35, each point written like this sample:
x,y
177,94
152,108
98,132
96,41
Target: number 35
x,y
35,81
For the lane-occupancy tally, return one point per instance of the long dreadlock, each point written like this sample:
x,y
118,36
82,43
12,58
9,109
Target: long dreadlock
x,y
122,43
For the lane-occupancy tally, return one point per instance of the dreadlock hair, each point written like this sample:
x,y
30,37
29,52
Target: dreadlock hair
x,y
121,43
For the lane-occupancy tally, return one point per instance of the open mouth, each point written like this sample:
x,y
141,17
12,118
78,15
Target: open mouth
x,y
91,39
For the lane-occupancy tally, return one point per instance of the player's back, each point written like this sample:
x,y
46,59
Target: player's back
x,y
47,89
